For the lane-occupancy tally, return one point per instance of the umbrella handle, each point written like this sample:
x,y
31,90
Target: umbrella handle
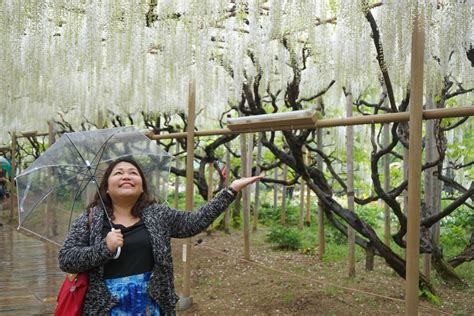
x,y
117,254
119,250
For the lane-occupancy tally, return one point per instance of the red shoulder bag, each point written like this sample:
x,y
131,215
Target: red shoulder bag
x,y
71,295
73,291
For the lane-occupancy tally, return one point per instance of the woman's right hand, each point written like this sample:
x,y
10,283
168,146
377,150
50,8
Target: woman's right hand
x,y
241,183
114,240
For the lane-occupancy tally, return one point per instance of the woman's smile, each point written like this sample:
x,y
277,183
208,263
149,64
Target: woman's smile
x,y
125,181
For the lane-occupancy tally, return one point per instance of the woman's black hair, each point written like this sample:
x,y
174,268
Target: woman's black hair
x,y
143,200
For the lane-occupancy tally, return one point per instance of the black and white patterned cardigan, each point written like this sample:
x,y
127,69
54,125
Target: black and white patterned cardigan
x,y
79,253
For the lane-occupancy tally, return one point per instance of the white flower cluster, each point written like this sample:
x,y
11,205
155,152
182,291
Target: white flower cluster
x,y
130,56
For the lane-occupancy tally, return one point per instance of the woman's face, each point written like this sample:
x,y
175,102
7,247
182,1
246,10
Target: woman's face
x,y
124,182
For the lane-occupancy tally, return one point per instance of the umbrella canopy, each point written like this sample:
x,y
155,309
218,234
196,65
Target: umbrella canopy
x,y
5,165
63,180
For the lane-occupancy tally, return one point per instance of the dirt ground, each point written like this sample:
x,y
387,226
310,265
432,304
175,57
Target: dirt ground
x,y
292,283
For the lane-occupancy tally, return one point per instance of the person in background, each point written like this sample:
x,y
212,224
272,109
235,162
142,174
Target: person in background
x,y
3,185
3,189
140,281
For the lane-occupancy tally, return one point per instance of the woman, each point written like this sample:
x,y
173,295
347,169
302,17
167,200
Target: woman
x,y
140,281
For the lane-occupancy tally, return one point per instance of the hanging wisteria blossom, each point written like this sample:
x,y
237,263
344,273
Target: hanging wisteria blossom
x,y
79,57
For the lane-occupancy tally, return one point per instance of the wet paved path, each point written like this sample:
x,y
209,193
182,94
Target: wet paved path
x,y
29,274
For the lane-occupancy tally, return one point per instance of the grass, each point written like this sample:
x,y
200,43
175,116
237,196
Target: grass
x,y
288,298
332,290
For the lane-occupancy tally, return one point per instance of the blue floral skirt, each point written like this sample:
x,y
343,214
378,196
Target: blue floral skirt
x,y
131,292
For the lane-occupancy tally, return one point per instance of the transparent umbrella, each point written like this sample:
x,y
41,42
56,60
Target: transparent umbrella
x,y
58,185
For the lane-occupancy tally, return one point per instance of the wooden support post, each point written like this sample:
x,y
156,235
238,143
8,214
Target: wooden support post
x,y
302,205
210,182
12,178
275,191
210,190
249,172
386,183
405,178
227,211
284,193
319,138
186,300
257,185
177,180
308,207
302,197
245,194
430,180
414,165
350,187
308,195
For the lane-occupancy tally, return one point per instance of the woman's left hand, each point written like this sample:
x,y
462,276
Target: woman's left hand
x,y
241,183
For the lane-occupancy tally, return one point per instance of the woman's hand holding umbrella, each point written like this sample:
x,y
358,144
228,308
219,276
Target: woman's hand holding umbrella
x,y
114,240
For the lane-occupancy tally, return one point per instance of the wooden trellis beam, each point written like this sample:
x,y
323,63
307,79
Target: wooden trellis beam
x,y
356,120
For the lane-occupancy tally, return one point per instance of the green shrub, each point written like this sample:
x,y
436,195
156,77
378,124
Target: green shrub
x,y
453,236
285,238
267,215
333,235
456,229
236,222
371,214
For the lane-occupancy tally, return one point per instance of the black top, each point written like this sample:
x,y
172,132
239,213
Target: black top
x,y
136,256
